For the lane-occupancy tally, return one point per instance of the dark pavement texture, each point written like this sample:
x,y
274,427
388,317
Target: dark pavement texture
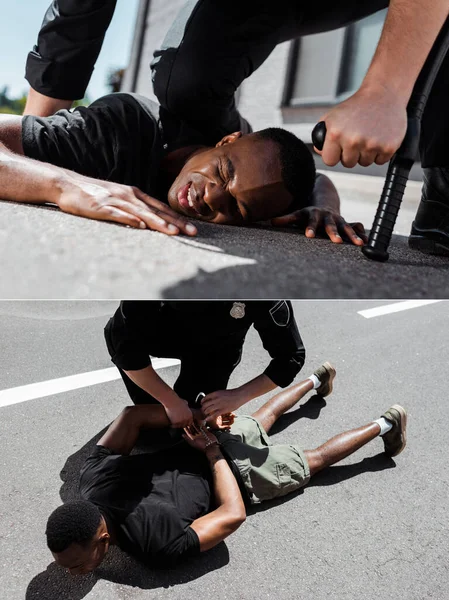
x,y
46,254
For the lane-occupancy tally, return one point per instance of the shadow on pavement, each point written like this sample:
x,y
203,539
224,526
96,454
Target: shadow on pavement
x,y
339,473
286,264
331,476
310,410
118,567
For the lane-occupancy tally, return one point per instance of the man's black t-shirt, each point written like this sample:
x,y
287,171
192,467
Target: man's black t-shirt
x,y
150,499
120,138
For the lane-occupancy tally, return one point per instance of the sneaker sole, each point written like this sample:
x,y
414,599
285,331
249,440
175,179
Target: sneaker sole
x,y
332,372
403,414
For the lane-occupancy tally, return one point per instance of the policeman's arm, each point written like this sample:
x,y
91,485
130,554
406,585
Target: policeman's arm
x,y
122,434
222,402
175,407
230,513
276,325
60,65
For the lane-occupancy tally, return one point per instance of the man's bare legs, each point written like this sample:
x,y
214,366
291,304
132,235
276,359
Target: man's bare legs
x,y
344,444
269,413
392,426
340,446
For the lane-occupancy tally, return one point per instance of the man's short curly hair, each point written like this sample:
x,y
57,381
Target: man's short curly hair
x,y
297,164
75,522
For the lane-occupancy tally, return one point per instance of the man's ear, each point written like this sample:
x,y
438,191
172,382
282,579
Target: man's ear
x,y
229,139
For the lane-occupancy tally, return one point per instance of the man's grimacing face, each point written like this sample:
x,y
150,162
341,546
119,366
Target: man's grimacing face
x,y
237,182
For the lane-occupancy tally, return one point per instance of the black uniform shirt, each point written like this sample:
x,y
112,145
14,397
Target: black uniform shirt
x,y
70,39
150,499
209,327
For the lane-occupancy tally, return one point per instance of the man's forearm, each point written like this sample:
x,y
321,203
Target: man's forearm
x,y
410,30
226,489
25,180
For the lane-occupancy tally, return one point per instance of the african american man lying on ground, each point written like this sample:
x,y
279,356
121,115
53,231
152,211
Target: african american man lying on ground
x,y
176,503
123,159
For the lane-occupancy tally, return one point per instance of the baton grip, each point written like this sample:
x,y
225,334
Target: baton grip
x,y
319,135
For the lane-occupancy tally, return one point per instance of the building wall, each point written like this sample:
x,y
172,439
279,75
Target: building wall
x,y
160,14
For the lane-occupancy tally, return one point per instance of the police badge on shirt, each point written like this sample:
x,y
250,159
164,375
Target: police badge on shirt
x,y
238,310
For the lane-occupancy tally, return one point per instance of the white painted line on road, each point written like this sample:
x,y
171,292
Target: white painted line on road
x,y
393,308
42,389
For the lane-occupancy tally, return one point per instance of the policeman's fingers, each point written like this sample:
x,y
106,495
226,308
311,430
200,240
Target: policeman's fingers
x,y
331,152
212,411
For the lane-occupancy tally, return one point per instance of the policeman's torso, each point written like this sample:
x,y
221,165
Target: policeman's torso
x,y
225,322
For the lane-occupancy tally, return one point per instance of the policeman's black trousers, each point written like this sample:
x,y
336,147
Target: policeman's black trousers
x,y
212,47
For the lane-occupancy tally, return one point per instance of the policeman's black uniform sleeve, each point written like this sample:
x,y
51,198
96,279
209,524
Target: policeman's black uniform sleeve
x,y
276,325
127,332
69,42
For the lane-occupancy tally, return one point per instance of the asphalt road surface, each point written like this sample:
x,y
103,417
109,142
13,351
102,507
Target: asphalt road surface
x,y
371,527
48,254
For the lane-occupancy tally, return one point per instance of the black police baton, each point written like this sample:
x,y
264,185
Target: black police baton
x,y
402,161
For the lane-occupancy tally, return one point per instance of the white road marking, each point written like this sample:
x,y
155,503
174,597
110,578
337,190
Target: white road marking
x,y
378,311
42,389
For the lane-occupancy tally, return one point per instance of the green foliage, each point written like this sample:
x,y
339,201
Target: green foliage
x,y
16,106
84,102
11,106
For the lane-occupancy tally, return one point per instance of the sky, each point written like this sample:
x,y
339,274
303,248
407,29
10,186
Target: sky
x,y
19,26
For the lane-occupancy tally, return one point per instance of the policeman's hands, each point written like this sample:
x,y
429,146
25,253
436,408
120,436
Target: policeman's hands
x,y
179,414
221,402
223,422
107,201
366,128
199,438
313,220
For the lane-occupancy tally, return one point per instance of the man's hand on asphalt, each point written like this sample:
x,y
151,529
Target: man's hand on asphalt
x,y
313,220
221,402
366,128
179,414
106,201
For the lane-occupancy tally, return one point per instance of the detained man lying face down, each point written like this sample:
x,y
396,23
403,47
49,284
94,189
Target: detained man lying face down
x,y
176,503
124,159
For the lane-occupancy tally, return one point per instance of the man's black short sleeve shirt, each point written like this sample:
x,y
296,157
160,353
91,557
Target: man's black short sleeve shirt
x,y
120,138
150,499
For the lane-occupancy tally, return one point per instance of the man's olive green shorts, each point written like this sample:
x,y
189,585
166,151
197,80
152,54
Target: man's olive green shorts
x,y
267,470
